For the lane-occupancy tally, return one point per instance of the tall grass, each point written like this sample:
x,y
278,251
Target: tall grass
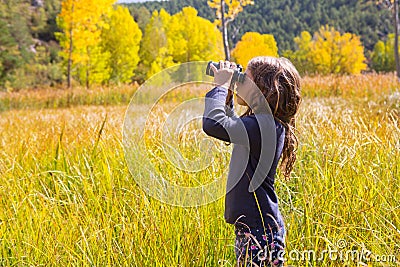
x,y
67,197
64,98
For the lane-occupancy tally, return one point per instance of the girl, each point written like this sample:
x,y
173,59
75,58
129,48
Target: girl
x,y
261,136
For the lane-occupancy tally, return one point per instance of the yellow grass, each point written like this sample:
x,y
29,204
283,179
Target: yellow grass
x,y
67,197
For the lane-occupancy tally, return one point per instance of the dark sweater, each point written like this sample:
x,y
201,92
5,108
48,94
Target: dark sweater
x,y
250,196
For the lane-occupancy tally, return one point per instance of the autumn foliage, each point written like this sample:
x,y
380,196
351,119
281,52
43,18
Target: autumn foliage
x,y
233,8
82,23
254,44
328,52
101,43
173,39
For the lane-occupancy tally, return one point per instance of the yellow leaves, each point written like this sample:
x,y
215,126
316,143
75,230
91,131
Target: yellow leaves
x,y
329,51
122,40
196,38
232,8
156,44
304,41
83,23
254,44
179,38
163,60
383,55
332,52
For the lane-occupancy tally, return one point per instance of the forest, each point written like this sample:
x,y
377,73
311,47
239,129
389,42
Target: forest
x,y
34,45
286,19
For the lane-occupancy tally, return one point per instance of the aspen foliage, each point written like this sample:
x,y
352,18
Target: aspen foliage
x,y
183,37
122,41
254,44
82,23
332,52
328,52
233,8
383,55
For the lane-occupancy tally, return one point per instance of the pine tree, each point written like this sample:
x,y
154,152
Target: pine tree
x,y
9,54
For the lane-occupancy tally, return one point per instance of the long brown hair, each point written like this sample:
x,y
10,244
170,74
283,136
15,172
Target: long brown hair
x,y
279,82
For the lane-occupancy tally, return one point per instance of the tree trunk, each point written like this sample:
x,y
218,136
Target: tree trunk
x,y
226,48
69,61
69,67
396,37
88,69
87,78
225,32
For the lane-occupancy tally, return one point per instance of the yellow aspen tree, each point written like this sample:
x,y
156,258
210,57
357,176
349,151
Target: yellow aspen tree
x,y
226,12
194,38
183,37
301,57
122,40
393,5
254,44
68,22
382,56
82,23
379,57
332,52
155,52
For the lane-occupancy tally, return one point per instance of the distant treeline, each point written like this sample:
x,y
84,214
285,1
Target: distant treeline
x,y
35,41
286,19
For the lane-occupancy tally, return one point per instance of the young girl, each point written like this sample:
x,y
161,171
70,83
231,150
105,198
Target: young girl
x,y
261,136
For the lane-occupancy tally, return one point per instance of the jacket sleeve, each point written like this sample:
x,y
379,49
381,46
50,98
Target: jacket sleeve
x,y
220,121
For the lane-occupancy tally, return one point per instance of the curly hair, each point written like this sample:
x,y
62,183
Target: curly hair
x,y
279,82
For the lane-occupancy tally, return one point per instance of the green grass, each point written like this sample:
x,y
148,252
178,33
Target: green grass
x,y
67,197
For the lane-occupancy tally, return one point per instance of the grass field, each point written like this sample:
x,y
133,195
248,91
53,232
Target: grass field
x,y
67,197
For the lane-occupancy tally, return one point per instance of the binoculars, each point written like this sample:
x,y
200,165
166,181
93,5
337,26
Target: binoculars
x,y
238,75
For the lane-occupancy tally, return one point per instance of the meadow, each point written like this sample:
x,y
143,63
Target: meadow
x,y
67,197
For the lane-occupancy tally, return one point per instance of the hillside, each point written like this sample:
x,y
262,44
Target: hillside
x,y
288,18
29,49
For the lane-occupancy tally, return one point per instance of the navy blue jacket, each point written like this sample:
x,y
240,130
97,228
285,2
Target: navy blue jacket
x,y
260,207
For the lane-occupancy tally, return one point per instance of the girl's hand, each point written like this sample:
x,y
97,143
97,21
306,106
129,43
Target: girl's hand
x,y
223,75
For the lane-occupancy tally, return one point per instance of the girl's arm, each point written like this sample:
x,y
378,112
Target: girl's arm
x,y
219,121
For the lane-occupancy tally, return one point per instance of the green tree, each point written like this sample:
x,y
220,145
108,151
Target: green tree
x,y
382,57
121,40
393,5
51,8
141,15
9,54
18,17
